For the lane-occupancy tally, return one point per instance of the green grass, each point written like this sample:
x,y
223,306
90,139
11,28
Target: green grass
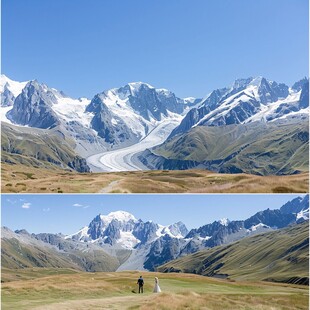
x,y
119,291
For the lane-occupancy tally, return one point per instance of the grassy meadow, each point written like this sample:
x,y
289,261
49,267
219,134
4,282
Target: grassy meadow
x,y
26,179
64,289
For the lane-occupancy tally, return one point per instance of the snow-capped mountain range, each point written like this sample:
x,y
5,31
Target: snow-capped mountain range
x,y
249,100
130,116
152,244
122,229
132,244
119,115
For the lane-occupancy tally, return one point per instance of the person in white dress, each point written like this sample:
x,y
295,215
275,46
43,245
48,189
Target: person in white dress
x,y
156,287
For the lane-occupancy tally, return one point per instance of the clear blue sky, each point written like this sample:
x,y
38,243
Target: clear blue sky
x,y
68,213
189,46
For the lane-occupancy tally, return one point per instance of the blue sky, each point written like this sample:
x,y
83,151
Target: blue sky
x,y
68,213
189,46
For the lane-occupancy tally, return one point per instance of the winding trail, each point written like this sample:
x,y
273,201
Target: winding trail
x,y
124,159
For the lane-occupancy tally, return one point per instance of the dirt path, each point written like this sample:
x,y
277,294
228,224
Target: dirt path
x,y
109,188
117,302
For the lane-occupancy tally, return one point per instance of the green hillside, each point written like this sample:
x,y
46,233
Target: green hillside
x,y
39,148
255,148
280,256
18,255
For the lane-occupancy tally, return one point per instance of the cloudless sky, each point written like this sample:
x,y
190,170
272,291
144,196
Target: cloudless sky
x,y
188,46
68,213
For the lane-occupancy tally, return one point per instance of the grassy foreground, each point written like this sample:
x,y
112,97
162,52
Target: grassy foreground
x,y
48,289
22,179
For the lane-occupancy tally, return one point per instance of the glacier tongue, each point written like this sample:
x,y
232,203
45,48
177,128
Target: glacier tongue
x,y
125,159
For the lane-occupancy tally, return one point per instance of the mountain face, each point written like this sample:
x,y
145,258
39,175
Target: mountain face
x,y
130,112
33,107
122,230
139,245
246,101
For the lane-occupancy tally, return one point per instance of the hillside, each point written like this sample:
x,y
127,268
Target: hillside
x,y
24,251
279,256
258,148
34,147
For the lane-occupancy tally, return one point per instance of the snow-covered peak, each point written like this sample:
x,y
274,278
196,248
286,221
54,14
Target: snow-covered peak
x,y
256,81
135,86
242,83
224,221
14,87
164,91
121,216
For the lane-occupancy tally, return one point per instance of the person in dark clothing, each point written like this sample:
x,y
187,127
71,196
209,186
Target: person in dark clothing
x,y
140,282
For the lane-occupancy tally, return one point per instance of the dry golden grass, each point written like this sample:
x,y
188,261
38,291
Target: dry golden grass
x,y
110,290
21,179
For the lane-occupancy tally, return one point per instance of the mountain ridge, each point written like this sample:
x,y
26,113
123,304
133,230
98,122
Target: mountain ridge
x,y
121,117
139,245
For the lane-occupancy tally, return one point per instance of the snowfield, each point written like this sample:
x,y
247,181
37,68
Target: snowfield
x,y
124,159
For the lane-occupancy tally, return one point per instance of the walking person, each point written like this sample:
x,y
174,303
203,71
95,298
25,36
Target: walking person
x,y
156,287
140,282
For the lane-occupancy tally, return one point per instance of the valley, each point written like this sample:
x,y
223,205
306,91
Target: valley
x,y
124,159
49,289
